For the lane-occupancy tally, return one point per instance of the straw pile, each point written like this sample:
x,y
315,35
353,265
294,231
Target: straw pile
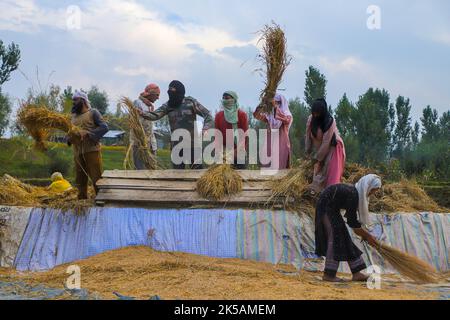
x,y
141,140
39,122
219,181
408,265
13,192
292,188
275,59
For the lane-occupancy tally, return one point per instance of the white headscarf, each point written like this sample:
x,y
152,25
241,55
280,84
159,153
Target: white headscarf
x,y
82,95
364,186
284,108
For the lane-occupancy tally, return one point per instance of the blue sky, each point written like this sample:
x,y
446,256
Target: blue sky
x,y
211,46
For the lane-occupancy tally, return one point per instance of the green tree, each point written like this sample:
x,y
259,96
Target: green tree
x,y
9,60
315,85
415,134
5,110
300,114
345,112
430,126
444,125
99,99
402,134
372,126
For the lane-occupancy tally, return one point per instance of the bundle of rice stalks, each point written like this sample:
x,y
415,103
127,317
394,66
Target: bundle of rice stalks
x,y
40,122
408,265
219,181
404,196
353,172
13,192
275,59
141,141
293,187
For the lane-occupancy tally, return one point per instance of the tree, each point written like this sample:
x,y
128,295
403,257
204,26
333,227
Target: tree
x,y
315,85
300,114
402,134
345,112
99,99
10,59
415,134
371,121
430,126
5,110
66,100
49,98
444,125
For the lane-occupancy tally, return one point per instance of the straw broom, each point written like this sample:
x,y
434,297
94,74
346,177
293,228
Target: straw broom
x,y
408,265
40,121
275,59
140,138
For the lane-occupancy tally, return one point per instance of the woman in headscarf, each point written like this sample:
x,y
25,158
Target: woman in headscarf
x,y
325,146
332,237
279,119
231,117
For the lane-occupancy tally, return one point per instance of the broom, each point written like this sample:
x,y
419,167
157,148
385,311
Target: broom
x,y
275,59
140,138
40,121
408,265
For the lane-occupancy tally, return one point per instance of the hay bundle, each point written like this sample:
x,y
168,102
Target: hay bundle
x,y
293,188
141,140
40,122
408,265
275,59
404,196
353,172
219,181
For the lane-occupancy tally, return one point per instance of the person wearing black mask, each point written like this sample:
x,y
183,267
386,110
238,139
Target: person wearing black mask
x,y
325,147
182,112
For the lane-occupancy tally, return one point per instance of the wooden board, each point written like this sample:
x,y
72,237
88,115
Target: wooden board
x,y
193,175
177,188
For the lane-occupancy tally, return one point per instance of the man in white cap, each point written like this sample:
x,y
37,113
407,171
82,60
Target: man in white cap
x,y
87,153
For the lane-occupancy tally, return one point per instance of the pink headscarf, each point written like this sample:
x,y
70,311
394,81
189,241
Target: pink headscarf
x,y
284,108
151,88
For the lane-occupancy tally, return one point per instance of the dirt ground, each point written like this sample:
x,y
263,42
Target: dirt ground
x,y
141,272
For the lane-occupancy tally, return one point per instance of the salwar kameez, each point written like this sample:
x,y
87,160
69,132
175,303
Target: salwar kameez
x,y
332,237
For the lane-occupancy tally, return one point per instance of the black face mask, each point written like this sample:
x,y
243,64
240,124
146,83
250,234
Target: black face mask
x,y
77,107
176,97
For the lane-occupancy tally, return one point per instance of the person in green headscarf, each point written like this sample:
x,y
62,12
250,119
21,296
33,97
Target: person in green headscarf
x,y
233,120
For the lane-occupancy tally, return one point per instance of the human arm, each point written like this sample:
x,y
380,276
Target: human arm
x,y
285,119
259,114
97,133
155,115
199,109
365,235
308,142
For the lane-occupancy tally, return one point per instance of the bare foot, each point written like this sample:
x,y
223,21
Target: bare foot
x,y
360,277
331,279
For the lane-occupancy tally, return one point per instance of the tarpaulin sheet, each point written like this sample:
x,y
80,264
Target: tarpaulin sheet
x,y
53,238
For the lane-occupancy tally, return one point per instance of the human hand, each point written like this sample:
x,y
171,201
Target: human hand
x,y
83,134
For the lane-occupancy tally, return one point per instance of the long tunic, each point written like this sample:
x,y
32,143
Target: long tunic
x,y
332,157
284,143
331,201
91,121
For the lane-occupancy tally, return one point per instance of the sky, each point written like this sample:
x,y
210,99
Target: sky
x,y
212,46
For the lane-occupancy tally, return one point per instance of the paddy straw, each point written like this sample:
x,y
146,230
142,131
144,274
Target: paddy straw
x,y
219,181
141,140
275,60
40,122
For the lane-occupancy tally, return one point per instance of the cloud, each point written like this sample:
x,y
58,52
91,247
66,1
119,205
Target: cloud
x,y
442,38
348,64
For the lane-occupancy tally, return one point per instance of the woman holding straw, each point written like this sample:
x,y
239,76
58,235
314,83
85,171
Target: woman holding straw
x,y
280,119
332,237
233,119
325,146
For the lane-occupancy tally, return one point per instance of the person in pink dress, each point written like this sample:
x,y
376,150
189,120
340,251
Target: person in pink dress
x,y
280,119
324,146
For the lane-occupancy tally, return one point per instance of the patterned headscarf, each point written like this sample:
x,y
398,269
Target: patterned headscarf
x,y
82,95
284,108
152,88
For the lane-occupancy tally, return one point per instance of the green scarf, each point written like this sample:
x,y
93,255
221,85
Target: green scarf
x,y
231,111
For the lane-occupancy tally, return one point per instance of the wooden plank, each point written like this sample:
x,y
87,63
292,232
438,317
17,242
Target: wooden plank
x,y
174,198
181,185
191,175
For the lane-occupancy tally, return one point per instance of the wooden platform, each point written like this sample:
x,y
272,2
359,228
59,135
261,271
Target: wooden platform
x,y
177,188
